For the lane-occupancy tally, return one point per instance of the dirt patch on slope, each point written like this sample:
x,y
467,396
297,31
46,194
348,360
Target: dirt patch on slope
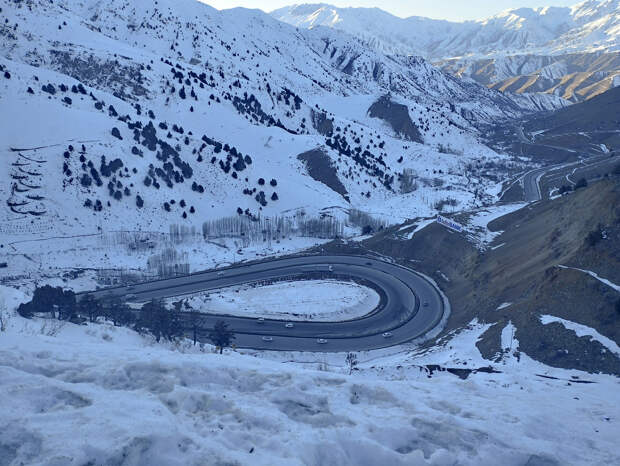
x,y
536,239
397,115
321,169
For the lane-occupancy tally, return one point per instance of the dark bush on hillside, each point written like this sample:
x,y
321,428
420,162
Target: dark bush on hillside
x,y
139,202
86,180
260,198
618,306
159,321
25,310
49,89
582,183
118,312
116,133
48,299
616,170
112,167
594,237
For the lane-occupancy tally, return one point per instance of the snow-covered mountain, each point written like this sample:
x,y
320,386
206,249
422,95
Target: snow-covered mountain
x,y
587,26
568,52
141,115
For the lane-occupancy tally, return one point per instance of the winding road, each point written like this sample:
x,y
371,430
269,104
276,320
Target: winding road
x,y
411,306
558,175
555,176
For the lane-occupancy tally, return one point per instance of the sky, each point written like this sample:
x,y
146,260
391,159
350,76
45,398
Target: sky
x,y
453,10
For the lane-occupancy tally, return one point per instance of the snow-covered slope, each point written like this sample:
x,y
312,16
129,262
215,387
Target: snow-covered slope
x,y
138,115
99,394
568,52
590,25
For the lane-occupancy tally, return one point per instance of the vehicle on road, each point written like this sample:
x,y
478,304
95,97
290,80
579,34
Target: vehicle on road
x,y
368,263
425,304
131,287
268,339
387,335
402,288
330,268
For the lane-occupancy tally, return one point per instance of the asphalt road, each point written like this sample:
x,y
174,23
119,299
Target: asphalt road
x,y
411,307
561,174
564,174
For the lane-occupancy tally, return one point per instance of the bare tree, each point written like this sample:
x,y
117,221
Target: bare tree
x,y
408,181
221,336
118,312
351,362
90,307
194,319
161,322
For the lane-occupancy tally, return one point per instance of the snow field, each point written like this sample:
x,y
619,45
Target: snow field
x,y
138,402
318,300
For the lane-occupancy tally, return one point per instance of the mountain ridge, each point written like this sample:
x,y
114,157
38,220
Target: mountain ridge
x,y
569,52
593,23
137,107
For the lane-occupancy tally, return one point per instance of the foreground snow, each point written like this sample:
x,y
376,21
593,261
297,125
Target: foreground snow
x,y
104,395
319,300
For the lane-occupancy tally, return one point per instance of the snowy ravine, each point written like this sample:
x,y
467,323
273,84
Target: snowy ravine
x,y
98,394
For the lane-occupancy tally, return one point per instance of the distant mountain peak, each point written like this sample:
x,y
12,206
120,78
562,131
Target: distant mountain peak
x,y
590,25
